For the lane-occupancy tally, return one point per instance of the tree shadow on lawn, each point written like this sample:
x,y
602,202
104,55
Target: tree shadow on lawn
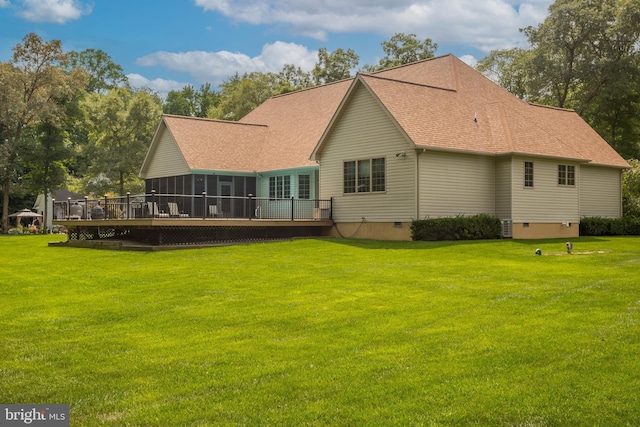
x,y
413,245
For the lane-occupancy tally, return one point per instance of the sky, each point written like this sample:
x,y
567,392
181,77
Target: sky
x,y
168,44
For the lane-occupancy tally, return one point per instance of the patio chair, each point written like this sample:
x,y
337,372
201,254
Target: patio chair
x,y
154,211
214,212
174,212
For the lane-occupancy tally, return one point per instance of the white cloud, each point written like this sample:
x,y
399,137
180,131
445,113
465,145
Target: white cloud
x,y
162,86
469,60
215,67
4,3
485,24
57,11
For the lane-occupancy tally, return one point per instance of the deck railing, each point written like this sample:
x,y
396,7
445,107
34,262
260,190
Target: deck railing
x,y
174,206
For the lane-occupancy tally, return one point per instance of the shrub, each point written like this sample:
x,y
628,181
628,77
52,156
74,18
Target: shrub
x,y
598,226
482,226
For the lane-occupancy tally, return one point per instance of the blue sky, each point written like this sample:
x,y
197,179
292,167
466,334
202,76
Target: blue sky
x,y
167,44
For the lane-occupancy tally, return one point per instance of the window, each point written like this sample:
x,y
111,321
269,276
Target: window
x,y
349,177
304,187
364,176
528,174
280,187
566,175
377,175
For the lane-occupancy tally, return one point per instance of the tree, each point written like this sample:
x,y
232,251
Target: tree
x,y
292,78
32,83
240,95
508,68
584,56
103,73
403,49
191,102
332,67
120,124
631,189
45,163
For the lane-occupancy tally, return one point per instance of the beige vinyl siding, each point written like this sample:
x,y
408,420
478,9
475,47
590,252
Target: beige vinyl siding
x,y
503,187
456,184
166,159
546,201
365,131
600,193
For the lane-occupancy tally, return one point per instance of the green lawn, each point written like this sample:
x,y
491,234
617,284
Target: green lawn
x,y
326,332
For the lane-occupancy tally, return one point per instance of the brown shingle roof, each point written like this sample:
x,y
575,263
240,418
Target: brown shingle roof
x,y
435,101
296,122
442,103
217,145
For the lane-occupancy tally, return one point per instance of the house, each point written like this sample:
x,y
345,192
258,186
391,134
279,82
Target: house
x,y
425,140
265,154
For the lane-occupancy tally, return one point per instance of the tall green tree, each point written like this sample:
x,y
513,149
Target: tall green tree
x,y
403,49
509,68
120,124
334,66
293,78
32,82
584,56
46,159
191,102
103,73
240,95
631,189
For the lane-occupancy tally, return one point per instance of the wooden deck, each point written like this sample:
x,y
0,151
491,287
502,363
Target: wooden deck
x,y
174,233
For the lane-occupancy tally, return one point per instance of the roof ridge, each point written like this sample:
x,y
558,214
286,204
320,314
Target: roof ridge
x,y
206,119
433,58
306,89
551,107
408,83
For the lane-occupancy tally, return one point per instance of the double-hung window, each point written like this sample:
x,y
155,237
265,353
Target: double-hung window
x,y
528,174
304,186
566,175
364,176
280,187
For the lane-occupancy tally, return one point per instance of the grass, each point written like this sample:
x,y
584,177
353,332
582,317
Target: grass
x,y
326,332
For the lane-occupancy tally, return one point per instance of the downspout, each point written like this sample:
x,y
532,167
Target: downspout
x,y
620,177
418,183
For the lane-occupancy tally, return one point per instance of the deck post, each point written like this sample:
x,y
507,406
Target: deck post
x,y
128,203
292,210
68,207
106,211
250,206
204,205
153,203
86,207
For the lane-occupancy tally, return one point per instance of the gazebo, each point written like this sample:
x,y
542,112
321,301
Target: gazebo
x,y
25,213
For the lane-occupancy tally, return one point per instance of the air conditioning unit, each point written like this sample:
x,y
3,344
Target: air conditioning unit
x,y
507,229
320,213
